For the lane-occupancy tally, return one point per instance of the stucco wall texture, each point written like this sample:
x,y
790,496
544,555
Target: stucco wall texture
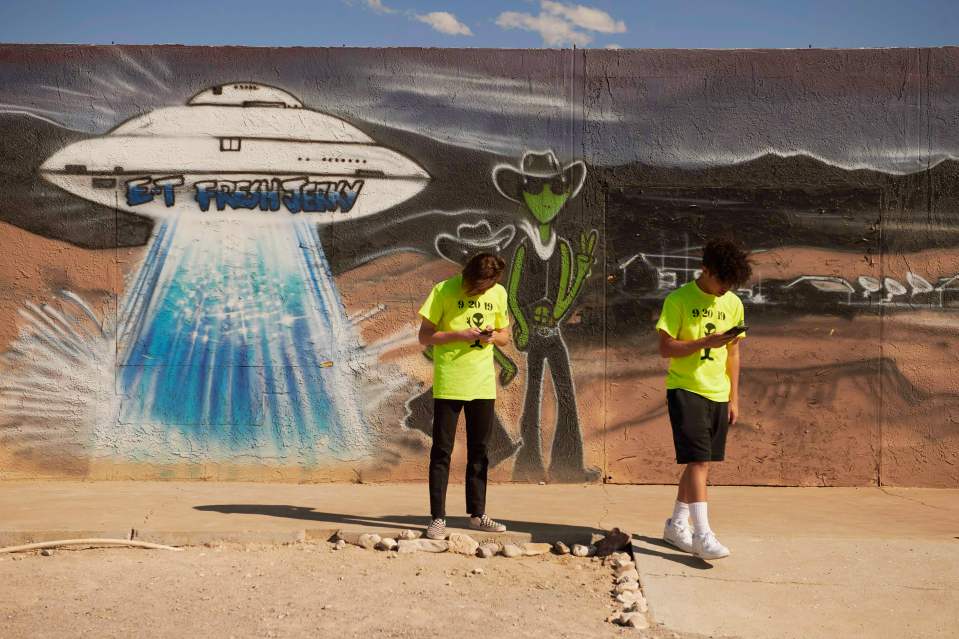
x,y
212,258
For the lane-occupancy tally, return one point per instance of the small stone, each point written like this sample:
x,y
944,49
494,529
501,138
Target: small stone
x,y
633,620
368,540
618,559
628,586
579,550
477,571
409,535
614,541
46,552
486,551
512,550
628,575
560,548
406,546
531,549
432,545
637,605
340,544
628,597
462,544
386,544
621,568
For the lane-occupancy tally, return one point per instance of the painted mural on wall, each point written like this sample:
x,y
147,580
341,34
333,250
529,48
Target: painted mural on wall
x,y
212,260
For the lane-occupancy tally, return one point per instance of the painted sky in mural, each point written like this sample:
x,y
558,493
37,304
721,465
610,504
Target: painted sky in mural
x,y
502,103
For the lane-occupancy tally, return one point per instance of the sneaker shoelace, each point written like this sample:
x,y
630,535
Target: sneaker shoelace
x,y
486,522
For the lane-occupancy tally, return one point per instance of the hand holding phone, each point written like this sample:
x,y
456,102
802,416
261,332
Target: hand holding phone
x,y
736,330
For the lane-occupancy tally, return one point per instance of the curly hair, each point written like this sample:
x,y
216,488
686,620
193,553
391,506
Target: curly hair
x,y
727,262
481,272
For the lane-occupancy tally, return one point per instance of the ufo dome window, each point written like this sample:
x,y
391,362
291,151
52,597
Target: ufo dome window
x,y
237,94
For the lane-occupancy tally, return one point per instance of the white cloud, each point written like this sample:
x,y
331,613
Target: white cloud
x,y
559,23
444,22
613,46
554,30
379,7
588,18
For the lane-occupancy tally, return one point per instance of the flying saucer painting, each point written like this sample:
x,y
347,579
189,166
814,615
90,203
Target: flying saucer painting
x,y
237,149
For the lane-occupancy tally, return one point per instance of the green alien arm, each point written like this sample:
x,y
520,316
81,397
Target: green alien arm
x,y
521,332
584,261
508,367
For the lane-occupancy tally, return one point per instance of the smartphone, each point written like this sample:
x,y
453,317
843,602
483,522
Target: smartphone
x,y
737,330
485,332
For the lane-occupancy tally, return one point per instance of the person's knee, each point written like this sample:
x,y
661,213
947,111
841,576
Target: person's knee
x,y
440,452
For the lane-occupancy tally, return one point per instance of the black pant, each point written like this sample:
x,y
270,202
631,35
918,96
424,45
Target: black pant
x,y
479,424
566,460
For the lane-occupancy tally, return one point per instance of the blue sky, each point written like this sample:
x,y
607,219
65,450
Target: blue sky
x,y
487,23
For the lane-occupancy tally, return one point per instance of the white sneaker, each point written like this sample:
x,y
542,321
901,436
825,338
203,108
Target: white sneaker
x,y
486,524
436,529
706,546
678,535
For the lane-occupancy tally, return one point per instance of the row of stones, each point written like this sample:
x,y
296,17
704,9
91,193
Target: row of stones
x,y
409,541
627,591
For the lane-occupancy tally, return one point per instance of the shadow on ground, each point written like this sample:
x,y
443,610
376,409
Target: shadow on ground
x,y
540,532
664,551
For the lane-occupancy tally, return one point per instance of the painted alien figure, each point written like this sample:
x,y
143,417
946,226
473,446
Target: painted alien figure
x,y
545,279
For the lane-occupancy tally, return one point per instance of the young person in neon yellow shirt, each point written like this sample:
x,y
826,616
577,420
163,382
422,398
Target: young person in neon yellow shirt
x,y
703,384
462,319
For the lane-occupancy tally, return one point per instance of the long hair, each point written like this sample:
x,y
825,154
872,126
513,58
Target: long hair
x,y
481,272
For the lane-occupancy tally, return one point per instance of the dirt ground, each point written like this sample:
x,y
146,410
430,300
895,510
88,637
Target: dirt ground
x,y
303,590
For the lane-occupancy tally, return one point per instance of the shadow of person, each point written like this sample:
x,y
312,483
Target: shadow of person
x,y
539,531
675,555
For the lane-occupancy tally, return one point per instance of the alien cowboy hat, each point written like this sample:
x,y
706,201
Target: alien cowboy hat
x,y
536,170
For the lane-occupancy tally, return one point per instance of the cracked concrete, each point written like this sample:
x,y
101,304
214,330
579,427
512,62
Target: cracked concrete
x,y
813,563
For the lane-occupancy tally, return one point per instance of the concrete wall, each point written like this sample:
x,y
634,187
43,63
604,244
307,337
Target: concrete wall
x,y
212,258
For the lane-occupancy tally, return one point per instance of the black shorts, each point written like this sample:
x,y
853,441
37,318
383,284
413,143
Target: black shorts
x,y
699,426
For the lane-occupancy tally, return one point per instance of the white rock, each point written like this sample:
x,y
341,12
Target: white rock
x,y
47,552
579,550
408,535
560,548
638,605
627,575
339,545
618,570
622,557
386,544
486,551
628,597
432,545
462,544
406,546
629,586
512,550
368,540
531,549
633,620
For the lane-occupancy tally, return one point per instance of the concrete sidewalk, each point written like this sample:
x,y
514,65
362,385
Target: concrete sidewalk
x,y
806,562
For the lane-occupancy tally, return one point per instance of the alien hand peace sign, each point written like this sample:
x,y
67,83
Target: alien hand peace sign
x,y
587,244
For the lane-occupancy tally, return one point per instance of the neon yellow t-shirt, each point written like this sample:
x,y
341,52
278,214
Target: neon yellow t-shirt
x,y
464,370
689,313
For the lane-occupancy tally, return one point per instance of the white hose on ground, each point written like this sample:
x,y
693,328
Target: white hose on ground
x,y
87,542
